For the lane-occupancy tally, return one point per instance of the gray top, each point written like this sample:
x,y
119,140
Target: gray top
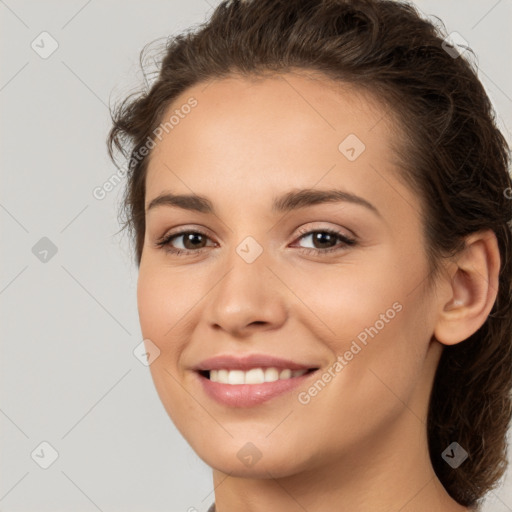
x,y
212,508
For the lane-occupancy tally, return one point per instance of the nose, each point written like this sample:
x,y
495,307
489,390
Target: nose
x,y
248,298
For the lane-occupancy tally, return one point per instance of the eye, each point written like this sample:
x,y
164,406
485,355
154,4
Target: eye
x,y
327,239
192,242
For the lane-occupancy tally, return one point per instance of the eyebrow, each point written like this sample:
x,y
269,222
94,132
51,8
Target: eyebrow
x,y
292,200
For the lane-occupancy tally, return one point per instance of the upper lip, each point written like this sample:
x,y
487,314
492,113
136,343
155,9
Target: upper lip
x,y
247,362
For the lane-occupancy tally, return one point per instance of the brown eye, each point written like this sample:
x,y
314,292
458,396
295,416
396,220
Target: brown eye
x,y
192,240
325,240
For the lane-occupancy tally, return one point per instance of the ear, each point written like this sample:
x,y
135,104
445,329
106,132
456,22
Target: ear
x,y
469,290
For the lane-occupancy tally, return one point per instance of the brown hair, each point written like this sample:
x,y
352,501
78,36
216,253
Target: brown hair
x,y
453,156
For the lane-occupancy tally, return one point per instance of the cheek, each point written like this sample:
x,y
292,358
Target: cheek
x,y
162,304
346,300
163,299
376,318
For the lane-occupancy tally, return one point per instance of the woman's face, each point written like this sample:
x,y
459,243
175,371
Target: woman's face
x,y
338,285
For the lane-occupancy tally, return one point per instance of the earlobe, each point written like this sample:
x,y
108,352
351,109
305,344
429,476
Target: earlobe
x,y
472,287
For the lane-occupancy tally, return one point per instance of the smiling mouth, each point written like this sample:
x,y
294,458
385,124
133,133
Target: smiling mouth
x,y
254,375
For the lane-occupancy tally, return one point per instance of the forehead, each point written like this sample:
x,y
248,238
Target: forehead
x,y
246,134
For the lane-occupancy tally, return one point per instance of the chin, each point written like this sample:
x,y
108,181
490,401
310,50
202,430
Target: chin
x,y
244,460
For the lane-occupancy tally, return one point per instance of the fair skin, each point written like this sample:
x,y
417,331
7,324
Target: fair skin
x,y
360,444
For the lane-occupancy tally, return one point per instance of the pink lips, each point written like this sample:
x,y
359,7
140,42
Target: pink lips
x,y
249,395
247,362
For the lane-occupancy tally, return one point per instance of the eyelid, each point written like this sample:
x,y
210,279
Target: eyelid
x,y
346,233
347,240
170,234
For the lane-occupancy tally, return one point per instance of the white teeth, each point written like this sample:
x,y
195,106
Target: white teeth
x,y
271,374
236,377
285,374
253,376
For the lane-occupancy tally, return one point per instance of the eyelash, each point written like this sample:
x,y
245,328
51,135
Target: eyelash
x,y
164,242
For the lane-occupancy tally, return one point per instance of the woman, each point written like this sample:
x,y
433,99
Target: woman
x,y
320,207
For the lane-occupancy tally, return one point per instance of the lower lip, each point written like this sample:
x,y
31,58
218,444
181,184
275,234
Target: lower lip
x,y
249,395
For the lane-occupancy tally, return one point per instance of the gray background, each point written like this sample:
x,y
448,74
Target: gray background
x,y
70,324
